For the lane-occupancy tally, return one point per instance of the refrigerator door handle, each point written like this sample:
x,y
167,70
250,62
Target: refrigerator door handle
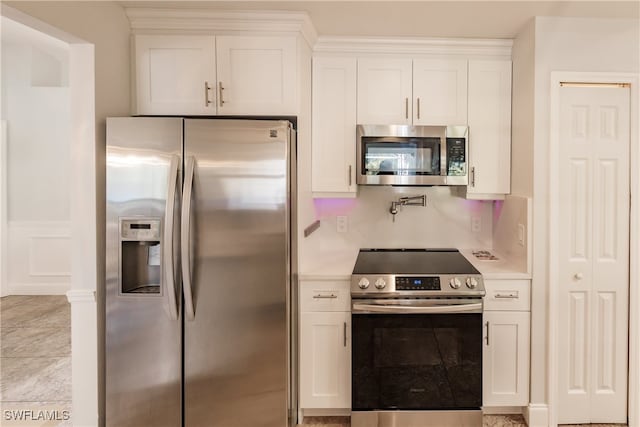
x,y
169,272
185,238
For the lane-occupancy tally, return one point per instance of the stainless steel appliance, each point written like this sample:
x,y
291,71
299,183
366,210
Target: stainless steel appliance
x,y
416,339
412,155
199,271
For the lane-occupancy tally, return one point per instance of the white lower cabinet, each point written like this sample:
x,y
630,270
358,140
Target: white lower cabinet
x,y
506,345
325,345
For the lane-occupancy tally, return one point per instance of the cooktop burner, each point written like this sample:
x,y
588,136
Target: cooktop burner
x,y
414,272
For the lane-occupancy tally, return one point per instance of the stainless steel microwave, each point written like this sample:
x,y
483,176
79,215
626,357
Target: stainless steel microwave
x,y
412,155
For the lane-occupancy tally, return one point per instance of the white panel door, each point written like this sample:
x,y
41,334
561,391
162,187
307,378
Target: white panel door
x,y
333,127
385,91
440,92
505,368
489,128
173,74
594,254
256,75
325,360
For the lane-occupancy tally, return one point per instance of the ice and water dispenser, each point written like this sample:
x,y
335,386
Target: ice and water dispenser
x,y
140,256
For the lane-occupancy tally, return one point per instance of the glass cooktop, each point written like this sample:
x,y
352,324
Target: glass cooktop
x,y
412,261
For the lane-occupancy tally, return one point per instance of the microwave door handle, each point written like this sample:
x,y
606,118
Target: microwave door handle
x,y
443,153
167,250
404,309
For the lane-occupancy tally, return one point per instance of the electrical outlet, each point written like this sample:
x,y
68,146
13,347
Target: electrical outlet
x,y
342,224
521,234
476,224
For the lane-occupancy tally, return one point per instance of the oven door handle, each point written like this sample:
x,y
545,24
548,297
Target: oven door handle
x,y
404,309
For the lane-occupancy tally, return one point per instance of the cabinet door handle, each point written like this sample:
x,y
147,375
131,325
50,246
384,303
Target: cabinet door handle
x,y
473,176
406,108
207,88
511,295
344,330
220,89
349,175
418,105
321,296
487,337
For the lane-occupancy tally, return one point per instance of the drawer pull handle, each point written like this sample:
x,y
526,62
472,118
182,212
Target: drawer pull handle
x,y
320,296
512,295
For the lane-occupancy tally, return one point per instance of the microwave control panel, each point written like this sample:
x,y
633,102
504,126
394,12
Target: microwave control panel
x,y
456,156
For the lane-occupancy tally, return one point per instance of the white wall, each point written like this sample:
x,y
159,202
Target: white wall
x,y
560,44
522,90
36,107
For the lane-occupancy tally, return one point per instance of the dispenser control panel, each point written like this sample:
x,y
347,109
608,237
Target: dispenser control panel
x,y
140,229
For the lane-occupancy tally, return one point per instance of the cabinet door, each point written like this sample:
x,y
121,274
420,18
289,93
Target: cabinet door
x,y
489,128
384,91
505,362
440,92
325,360
333,127
173,73
256,75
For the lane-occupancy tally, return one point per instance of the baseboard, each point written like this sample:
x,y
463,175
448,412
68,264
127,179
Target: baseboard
x,y
502,410
37,289
326,412
536,415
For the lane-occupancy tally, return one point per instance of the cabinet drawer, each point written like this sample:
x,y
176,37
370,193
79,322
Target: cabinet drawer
x,y
508,295
325,296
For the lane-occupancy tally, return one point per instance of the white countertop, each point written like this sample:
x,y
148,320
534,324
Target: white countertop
x,y
340,266
502,268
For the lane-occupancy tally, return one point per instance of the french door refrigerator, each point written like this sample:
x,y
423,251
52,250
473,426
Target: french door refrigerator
x,y
199,272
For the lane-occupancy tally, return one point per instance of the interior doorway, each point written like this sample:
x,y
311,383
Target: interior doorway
x,y
50,190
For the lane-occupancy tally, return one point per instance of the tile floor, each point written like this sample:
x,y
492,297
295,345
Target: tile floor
x,y
488,421
35,360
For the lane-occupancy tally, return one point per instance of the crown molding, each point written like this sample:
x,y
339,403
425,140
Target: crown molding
x,y
204,21
414,46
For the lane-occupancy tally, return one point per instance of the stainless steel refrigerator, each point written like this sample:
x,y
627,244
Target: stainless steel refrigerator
x,y
199,272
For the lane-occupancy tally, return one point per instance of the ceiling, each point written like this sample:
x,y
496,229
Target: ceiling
x,y
14,33
477,19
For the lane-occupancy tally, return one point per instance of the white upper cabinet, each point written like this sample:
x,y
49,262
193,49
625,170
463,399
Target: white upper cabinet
x,y
172,73
440,92
384,91
256,75
412,91
208,75
333,127
489,129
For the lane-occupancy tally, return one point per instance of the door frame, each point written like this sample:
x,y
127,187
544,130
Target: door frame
x,y
633,397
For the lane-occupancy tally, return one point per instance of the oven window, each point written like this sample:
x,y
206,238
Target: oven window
x,y
401,156
416,361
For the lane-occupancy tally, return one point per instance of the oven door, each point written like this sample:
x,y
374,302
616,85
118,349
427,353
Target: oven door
x,y
411,355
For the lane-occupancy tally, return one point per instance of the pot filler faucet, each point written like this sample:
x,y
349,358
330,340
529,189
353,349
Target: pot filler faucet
x,y
407,201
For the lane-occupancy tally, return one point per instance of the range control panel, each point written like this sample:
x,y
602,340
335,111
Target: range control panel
x,y
417,283
390,285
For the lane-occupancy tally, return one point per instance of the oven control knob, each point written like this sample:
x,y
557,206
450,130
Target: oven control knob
x,y
363,283
380,283
455,283
472,283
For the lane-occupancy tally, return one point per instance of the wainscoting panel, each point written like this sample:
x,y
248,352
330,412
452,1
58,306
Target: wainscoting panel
x,y
38,257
